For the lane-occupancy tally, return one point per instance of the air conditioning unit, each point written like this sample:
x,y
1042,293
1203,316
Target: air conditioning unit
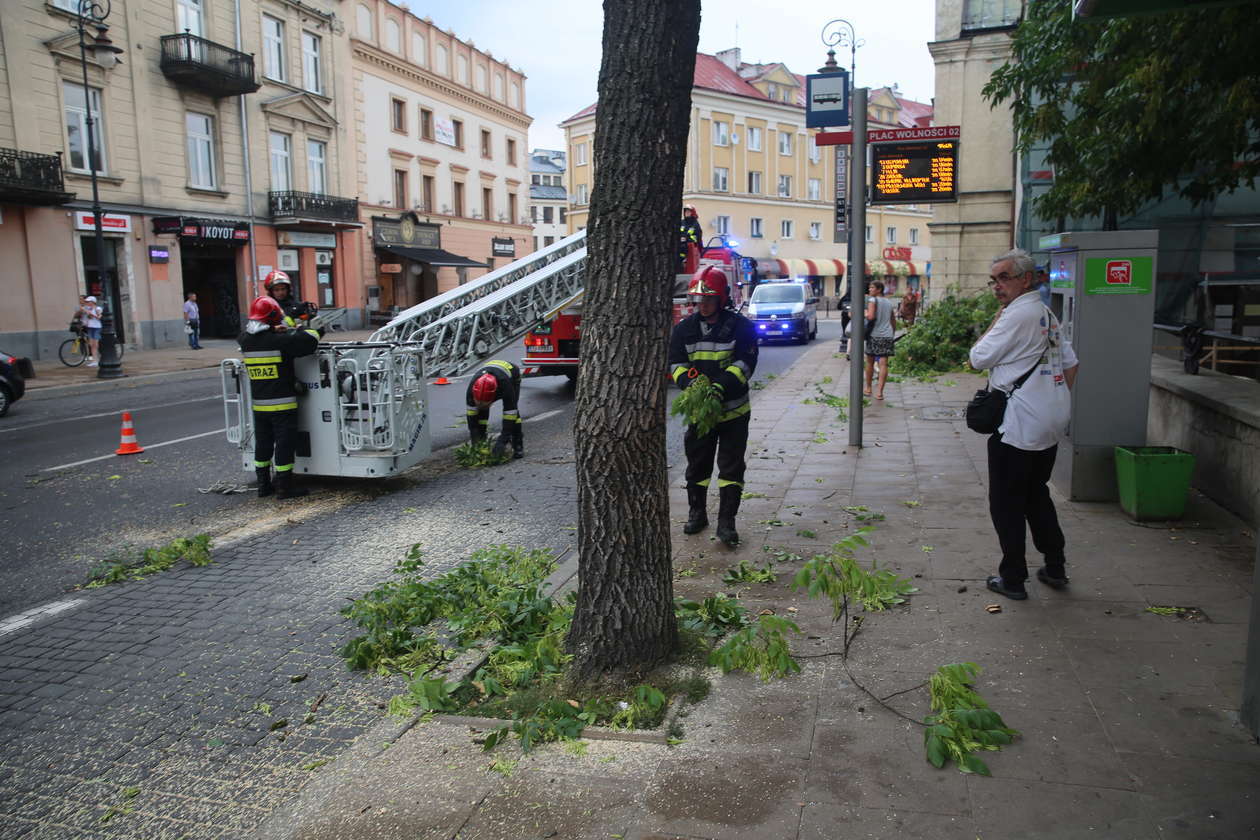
x,y
323,258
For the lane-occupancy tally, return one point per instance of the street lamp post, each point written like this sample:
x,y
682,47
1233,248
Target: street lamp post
x,y
93,13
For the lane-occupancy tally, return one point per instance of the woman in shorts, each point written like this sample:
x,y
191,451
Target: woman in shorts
x,y
879,343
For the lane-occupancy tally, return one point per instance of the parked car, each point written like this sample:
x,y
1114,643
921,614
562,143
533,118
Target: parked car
x,y
12,383
784,310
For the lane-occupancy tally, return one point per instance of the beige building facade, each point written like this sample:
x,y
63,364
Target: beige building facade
x,y
755,175
973,40
216,160
442,157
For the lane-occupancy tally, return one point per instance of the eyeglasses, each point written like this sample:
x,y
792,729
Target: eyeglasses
x,y
1004,277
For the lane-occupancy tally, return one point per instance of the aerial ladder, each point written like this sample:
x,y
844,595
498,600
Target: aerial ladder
x,y
365,412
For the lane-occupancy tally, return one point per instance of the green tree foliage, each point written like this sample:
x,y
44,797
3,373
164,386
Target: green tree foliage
x,y
1135,109
942,336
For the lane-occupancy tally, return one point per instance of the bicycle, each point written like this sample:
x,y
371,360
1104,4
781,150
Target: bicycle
x,y
74,351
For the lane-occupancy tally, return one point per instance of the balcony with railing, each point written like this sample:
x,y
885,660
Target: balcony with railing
x,y
31,178
290,207
206,66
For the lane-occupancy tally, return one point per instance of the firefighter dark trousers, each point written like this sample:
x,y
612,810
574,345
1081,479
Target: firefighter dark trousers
x,y
728,441
275,434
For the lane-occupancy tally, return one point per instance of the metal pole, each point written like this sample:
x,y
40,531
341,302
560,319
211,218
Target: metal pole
x,y
252,288
857,242
109,365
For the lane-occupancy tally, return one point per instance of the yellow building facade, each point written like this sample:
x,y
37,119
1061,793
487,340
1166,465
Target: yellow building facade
x,y
755,175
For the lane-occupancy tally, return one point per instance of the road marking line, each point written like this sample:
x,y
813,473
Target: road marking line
x,y
544,415
24,619
105,414
147,448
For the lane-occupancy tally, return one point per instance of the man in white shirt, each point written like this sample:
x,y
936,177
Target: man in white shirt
x,y
1025,338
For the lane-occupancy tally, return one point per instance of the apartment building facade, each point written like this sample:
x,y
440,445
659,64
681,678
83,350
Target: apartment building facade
x,y
548,198
755,175
216,159
441,153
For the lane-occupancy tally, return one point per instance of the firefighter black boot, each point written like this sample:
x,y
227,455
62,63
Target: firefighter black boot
x,y
697,516
728,506
285,488
518,443
265,487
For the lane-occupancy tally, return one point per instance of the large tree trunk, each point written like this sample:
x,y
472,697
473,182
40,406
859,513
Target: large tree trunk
x,y
624,622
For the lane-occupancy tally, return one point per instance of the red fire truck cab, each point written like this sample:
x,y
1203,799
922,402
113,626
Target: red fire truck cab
x,y
552,349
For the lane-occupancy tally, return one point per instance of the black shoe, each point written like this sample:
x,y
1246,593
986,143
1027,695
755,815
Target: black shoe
x,y
265,487
727,534
1050,580
697,521
518,451
285,488
996,584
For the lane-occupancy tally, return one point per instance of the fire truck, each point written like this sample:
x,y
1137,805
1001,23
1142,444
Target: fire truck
x,y
551,349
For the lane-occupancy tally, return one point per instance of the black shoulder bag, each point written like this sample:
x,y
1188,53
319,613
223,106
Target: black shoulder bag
x,y
988,407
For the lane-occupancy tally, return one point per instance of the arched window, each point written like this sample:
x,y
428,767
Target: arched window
x,y
440,60
515,100
498,86
364,23
418,52
393,35
481,79
461,69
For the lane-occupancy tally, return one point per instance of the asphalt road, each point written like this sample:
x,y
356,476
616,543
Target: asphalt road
x,y
67,503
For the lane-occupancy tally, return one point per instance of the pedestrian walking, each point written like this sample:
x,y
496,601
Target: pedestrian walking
x,y
721,344
192,321
1028,357
497,380
90,314
879,340
269,349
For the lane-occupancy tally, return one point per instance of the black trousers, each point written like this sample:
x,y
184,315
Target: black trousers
x,y
728,441
1018,493
275,432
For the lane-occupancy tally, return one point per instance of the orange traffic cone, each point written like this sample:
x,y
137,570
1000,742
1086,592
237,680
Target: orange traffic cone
x,y
128,446
441,380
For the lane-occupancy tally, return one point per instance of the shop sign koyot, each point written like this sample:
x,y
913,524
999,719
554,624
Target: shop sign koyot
x,y
203,231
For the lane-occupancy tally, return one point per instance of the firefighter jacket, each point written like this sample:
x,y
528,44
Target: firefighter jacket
x,y
689,230
725,351
269,359
508,377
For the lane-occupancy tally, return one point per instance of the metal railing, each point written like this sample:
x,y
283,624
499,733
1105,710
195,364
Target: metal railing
x,y
207,66
32,176
333,208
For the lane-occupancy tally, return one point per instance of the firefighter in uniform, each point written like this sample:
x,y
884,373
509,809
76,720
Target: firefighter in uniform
x,y
721,344
269,349
497,380
689,232
280,288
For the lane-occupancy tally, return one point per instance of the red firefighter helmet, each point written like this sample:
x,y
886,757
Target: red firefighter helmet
x,y
485,387
265,309
274,277
690,210
709,281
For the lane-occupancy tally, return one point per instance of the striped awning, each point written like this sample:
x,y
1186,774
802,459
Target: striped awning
x,y
795,267
896,268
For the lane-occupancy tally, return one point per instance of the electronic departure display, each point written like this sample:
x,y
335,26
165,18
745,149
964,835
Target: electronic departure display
x,y
918,172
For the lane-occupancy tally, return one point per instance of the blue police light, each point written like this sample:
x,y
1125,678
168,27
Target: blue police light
x,y
731,243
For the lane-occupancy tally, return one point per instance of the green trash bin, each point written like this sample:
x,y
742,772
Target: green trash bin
x,y
1154,481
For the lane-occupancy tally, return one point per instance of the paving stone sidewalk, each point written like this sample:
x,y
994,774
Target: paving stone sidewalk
x,y
1129,718
193,703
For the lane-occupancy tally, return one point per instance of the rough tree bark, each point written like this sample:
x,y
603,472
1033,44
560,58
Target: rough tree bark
x,y
624,623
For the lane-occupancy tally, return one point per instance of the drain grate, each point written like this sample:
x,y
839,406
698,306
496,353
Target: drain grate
x,y
943,412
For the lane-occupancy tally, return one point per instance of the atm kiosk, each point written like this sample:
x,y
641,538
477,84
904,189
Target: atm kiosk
x,y
1103,292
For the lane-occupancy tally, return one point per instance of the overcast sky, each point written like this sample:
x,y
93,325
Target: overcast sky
x,y
556,43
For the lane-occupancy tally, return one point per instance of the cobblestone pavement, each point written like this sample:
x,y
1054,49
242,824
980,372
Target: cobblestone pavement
x,y
193,703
